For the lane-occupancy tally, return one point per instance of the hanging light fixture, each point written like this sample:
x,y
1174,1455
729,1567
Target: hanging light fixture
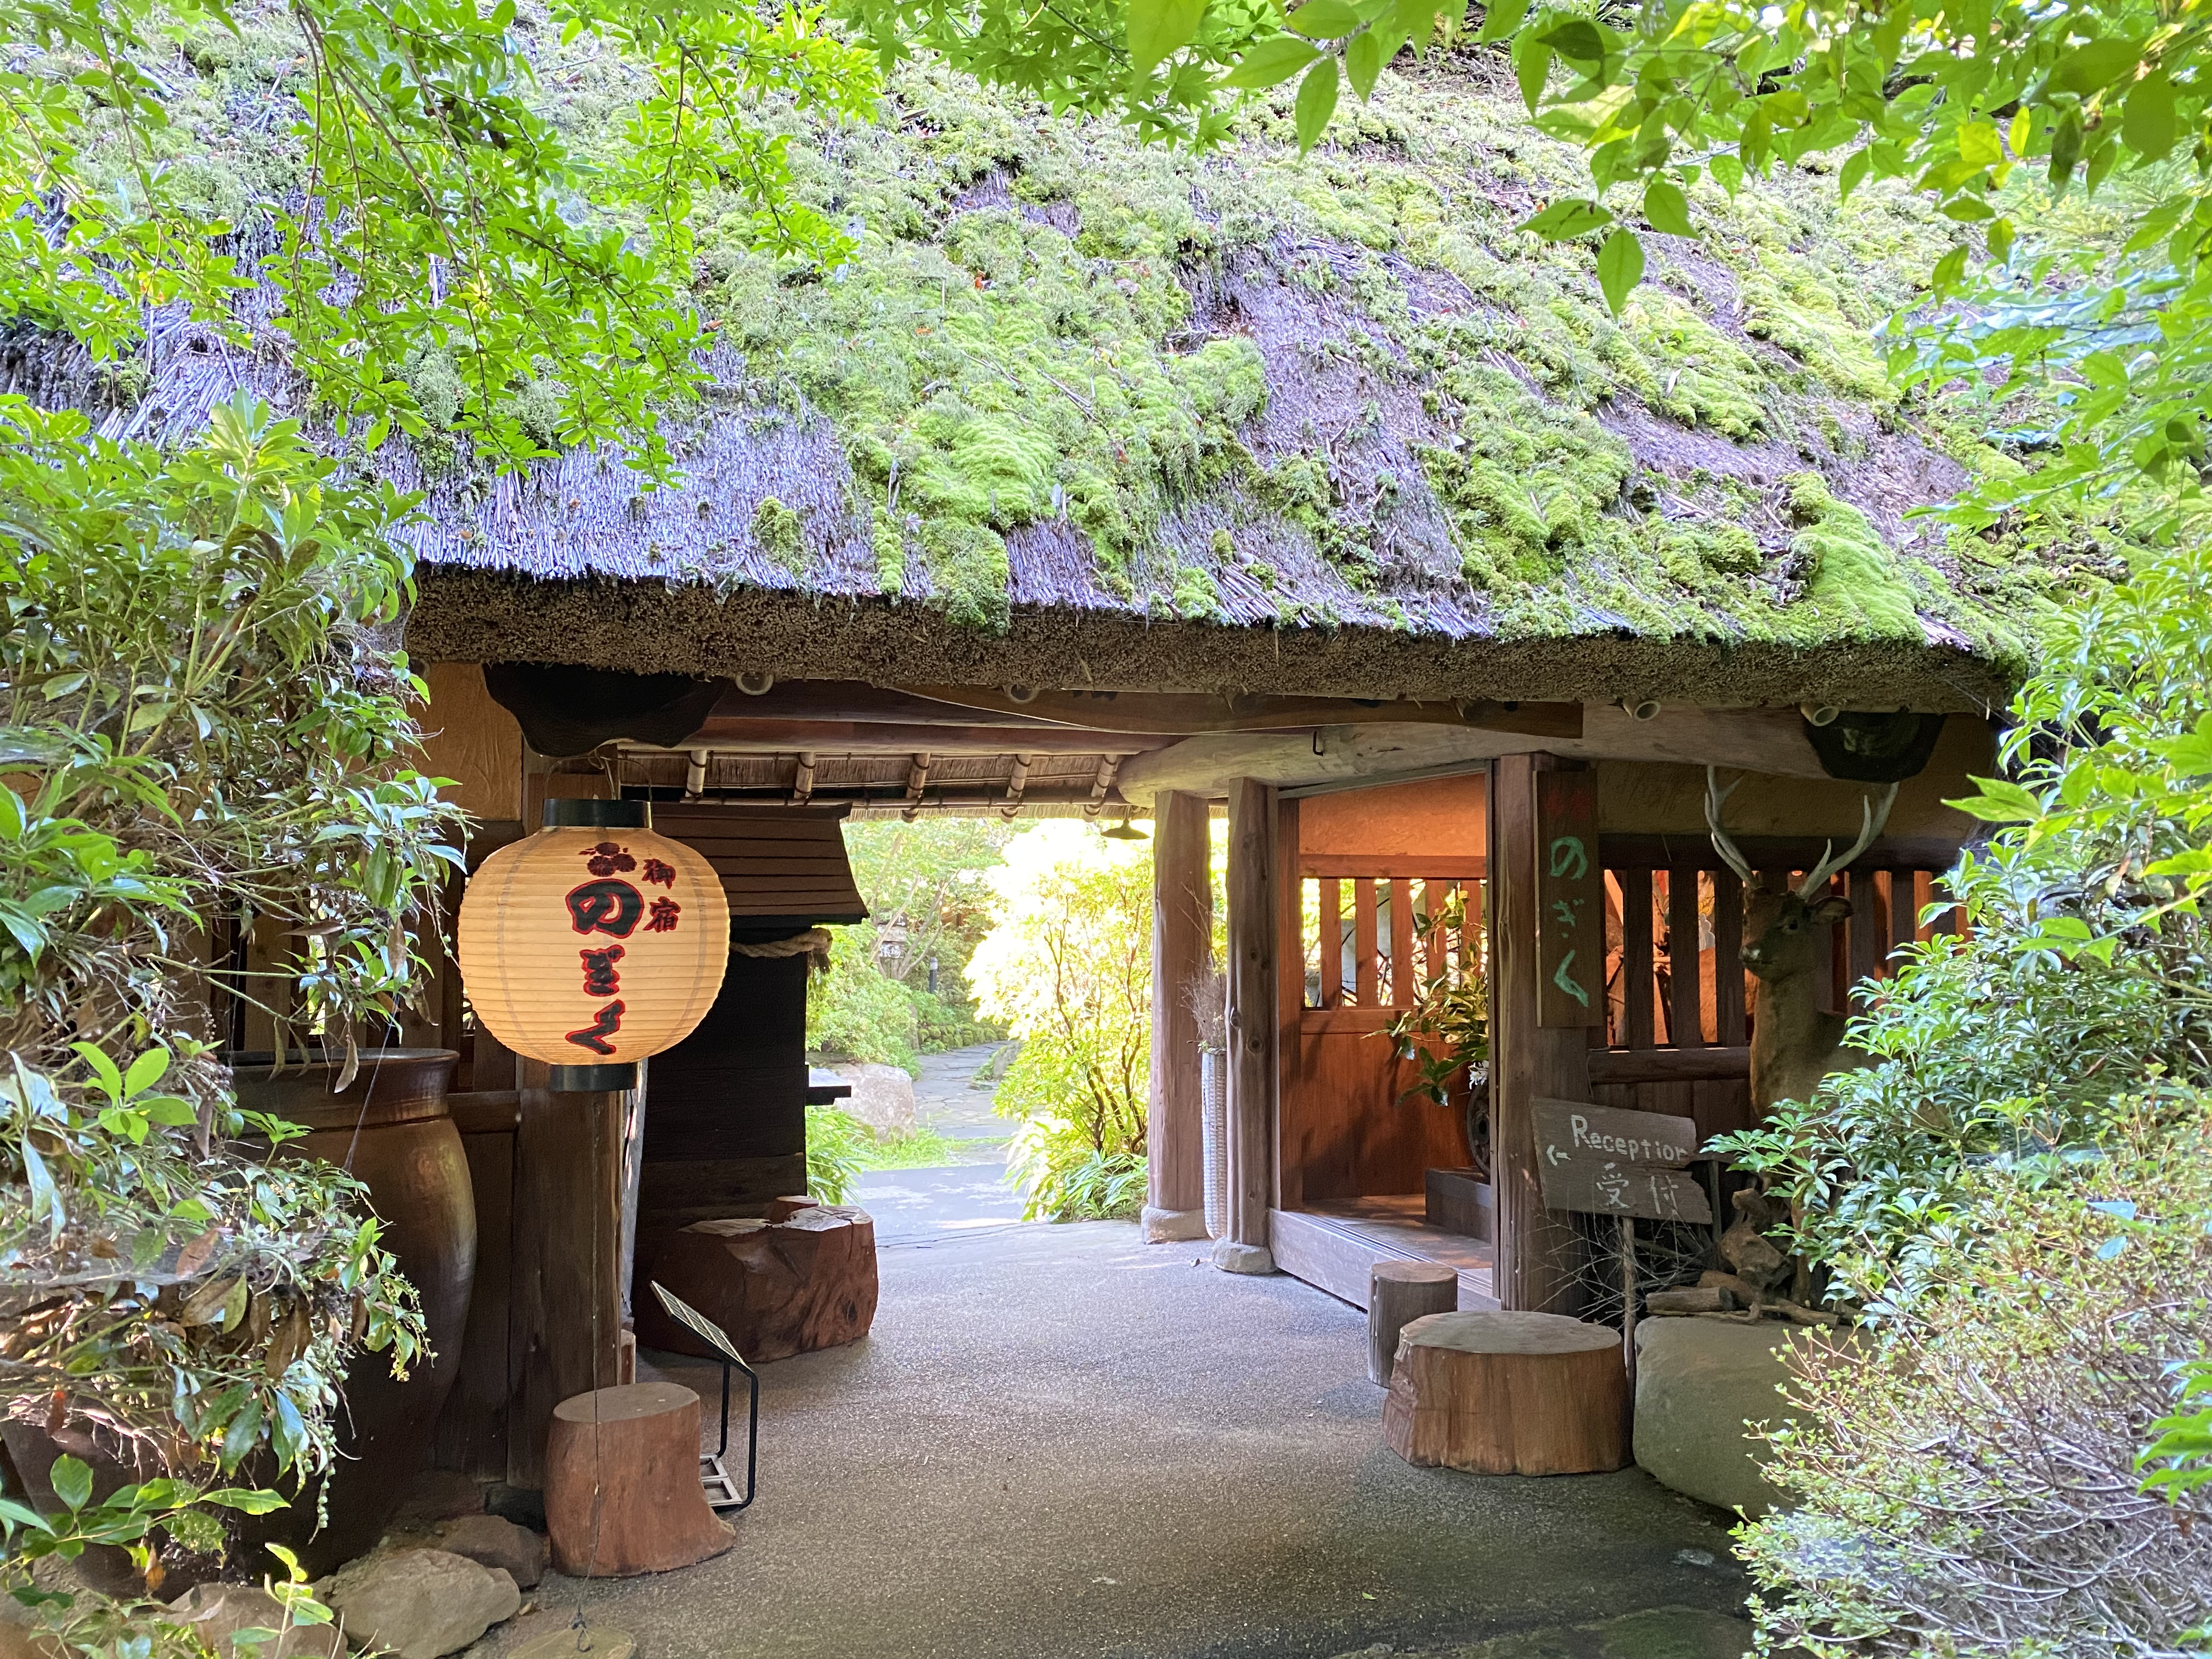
x,y
593,943
1121,829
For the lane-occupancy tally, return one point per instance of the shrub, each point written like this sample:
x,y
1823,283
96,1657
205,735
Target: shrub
x,y
858,1011
201,717
837,1152
2016,1197
1067,968
1972,1490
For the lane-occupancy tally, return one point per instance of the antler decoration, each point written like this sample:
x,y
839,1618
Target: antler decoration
x,y
1715,798
1871,820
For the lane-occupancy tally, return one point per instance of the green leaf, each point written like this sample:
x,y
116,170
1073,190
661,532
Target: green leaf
x,y
1271,62
1316,101
14,1515
1667,208
2002,800
1727,172
1324,19
1363,62
1532,67
1501,20
1619,267
253,1500
2091,69
1577,41
1979,145
1948,269
1562,220
1158,28
1853,172
71,1479
148,1069
2148,125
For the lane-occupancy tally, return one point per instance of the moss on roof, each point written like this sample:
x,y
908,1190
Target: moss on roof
x,y
1063,371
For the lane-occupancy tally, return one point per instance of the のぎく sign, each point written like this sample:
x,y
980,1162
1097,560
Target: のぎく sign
x,y
1607,1162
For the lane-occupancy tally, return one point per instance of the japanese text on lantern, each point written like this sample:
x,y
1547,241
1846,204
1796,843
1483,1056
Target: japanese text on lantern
x,y
1570,902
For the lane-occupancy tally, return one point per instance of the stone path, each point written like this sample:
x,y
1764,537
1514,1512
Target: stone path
x,y
915,1205
1062,1444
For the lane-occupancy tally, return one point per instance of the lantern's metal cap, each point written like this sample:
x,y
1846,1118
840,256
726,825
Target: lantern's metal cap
x,y
598,815
592,1079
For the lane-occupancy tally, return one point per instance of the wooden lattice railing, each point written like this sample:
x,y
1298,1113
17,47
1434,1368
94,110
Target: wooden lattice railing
x,y
1679,1021
1375,913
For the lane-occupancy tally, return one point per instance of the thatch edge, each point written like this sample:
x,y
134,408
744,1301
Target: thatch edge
x,y
661,627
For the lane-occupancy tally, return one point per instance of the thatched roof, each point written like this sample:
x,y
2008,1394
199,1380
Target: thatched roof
x,y
1080,412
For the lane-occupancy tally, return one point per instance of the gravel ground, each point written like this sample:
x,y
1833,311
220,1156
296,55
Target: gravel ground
x,y
1059,1442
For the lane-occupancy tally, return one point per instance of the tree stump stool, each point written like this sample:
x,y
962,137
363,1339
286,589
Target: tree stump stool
x,y
1509,1394
1399,1292
621,1483
802,1279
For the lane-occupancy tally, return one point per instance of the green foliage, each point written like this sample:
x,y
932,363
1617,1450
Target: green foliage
x,y
856,1010
1445,1029
462,253
2015,1195
1969,1486
2180,1460
837,1146
1067,968
200,720
931,878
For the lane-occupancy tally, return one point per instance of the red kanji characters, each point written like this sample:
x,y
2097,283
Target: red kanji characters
x,y
600,979
663,918
605,906
659,874
603,1025
608,860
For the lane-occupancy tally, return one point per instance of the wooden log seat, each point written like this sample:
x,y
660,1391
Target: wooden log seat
x,y
1398,1293
621,1483
1508,1394
802,1279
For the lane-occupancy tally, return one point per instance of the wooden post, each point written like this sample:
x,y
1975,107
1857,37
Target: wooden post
x,y
1398,1293
1182,927
566,1327
1628,1298
1252,1022
1536,1248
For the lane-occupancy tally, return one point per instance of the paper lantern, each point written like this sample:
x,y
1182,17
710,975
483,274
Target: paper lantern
x,y
593,943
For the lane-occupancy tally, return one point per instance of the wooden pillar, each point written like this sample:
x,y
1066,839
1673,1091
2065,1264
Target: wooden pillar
x,y
565,1330
1182,927
1252,1022
1536,1247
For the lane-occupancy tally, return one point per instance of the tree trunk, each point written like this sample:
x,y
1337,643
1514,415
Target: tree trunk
x,y
621,1484
1398,1293
1509,1394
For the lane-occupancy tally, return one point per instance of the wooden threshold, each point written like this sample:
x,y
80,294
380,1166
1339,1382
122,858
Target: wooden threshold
x,y
1333,1251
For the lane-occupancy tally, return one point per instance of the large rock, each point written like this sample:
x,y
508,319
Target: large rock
x,y
420,1604
882,1098
1698,1382
492,1541
219,1612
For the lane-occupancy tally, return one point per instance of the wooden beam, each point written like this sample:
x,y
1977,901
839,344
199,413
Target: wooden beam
x,y
1252,1023
1668,1065
1536,1248
1182,928
1193,712
1771,741
566,1327
833,738
1634,852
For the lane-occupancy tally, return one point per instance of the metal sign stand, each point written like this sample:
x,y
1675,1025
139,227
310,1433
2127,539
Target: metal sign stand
x,y
713,1474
